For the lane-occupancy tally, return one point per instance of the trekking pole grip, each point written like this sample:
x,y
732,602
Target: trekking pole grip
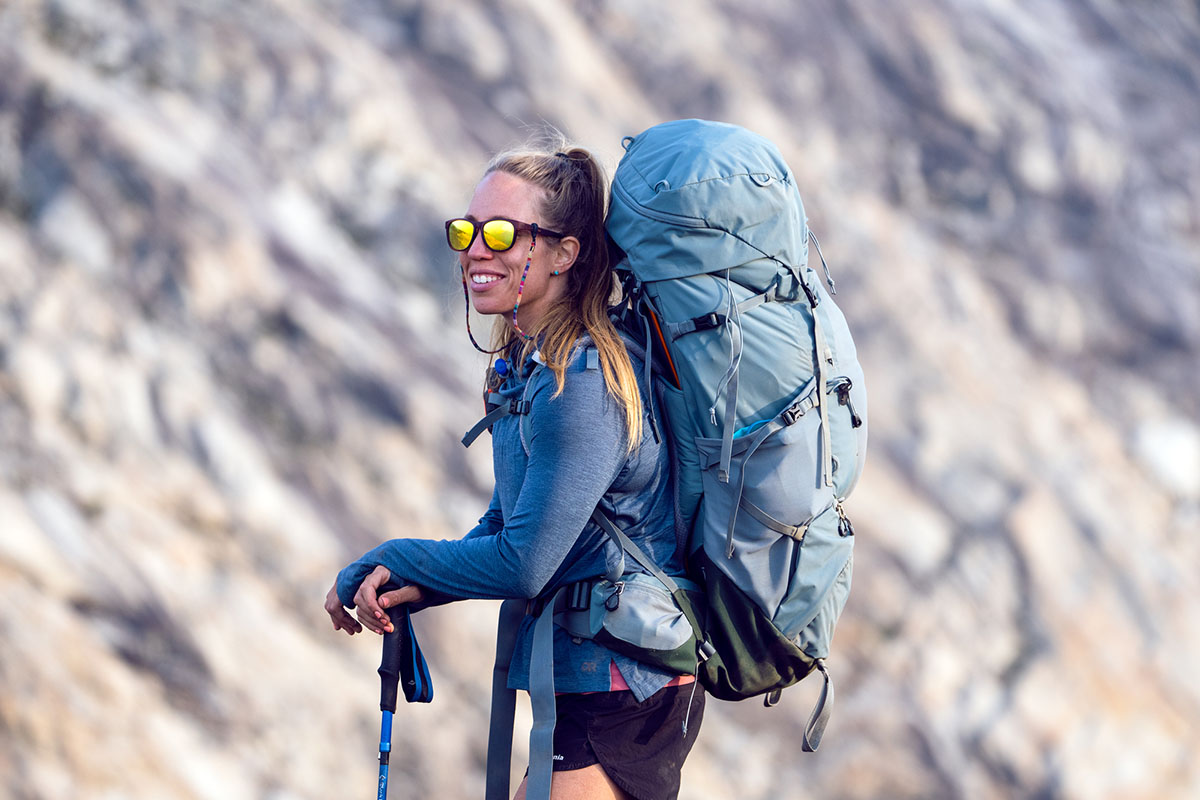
x,y
389,679
389,669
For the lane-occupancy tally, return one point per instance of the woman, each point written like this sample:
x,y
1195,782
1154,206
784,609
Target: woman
x,y
533,253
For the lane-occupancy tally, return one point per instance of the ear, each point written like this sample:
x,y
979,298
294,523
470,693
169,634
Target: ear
x,y
565,254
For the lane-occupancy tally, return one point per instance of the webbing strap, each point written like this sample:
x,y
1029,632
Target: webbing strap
x,y
504,703
794,531
769,296
541,700
821,713
729,385
828,277
503,407
703,323
628,545
715,320
731,398
824,356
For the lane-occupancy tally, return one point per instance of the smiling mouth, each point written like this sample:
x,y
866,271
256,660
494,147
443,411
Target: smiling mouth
x,y
484,280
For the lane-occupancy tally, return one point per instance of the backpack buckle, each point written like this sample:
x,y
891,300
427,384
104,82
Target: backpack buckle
x,y
579,596
709,321
794,412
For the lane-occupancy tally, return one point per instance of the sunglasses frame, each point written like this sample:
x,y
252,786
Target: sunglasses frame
x,y
518,227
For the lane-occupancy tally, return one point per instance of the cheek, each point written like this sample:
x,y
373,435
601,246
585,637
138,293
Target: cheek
x,y
513,262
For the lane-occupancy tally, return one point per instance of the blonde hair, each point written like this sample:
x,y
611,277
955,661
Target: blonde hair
x,y
573,202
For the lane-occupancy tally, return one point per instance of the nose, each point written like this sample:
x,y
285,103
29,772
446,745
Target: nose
x,y
478,250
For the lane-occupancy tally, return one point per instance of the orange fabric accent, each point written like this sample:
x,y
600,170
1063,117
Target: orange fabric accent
x,y
619,684
662,340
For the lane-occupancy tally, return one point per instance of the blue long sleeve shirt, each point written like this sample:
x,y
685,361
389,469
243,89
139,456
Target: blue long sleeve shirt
x,y
553,466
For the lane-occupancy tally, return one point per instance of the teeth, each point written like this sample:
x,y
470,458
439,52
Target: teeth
x,y
481,279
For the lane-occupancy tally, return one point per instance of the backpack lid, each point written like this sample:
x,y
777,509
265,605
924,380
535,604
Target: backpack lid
x,y
691,197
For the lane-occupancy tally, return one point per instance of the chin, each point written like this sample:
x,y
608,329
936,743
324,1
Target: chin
x,y
491,308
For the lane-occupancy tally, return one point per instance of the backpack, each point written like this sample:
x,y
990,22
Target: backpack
x,y
760,392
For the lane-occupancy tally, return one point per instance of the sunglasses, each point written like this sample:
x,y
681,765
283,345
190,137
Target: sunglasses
x,y
499,234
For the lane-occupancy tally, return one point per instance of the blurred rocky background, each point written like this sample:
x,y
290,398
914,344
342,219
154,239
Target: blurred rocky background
x,y
232,357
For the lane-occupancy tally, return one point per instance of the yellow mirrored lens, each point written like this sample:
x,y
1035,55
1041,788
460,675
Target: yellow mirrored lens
x,y
460,233
498,234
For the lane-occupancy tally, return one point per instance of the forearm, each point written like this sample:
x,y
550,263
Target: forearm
x,y
482,567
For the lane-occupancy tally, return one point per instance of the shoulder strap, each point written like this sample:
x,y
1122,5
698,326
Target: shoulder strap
x,y
541,696
541,701
630,547
504,702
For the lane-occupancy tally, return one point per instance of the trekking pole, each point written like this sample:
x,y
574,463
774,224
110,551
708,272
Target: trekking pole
x,y
389,678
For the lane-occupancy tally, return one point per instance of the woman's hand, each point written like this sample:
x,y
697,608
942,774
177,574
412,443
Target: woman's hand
x,y
369,604
342,621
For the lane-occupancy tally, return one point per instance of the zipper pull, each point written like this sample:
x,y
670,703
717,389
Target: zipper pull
x,y
844,527
613,601
843,395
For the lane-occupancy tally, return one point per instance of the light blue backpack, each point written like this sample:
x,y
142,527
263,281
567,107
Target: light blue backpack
x,y
760,392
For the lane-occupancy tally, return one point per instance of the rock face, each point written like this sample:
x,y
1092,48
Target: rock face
x,y
232,358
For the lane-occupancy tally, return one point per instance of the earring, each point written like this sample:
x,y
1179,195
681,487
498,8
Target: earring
x,y
555,272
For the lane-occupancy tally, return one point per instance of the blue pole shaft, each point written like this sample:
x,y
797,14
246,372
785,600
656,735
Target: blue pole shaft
x,y
385,752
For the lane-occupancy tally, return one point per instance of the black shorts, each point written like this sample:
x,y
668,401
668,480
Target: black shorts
x,y
641,746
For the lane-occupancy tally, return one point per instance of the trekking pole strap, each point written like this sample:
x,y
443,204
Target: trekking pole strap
x,y
414,670
504,703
